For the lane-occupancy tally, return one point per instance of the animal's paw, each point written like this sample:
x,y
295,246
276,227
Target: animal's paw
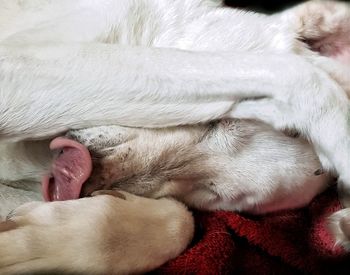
x,y
118,233
339,224
325,27
48,236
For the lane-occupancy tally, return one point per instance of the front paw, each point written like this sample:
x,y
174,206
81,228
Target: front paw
x,y
117,233
42,237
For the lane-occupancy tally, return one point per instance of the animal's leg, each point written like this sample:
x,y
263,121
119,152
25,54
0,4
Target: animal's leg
x,y
49,89
103,234
46,90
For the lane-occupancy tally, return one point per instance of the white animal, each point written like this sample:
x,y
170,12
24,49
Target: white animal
x,y
160,63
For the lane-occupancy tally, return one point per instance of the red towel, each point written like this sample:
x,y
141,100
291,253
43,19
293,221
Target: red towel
x,y
290,242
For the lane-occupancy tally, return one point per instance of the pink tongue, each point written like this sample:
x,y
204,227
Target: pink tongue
x,y
69,171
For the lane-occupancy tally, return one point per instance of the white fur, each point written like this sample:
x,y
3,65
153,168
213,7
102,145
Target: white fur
x,y
157,63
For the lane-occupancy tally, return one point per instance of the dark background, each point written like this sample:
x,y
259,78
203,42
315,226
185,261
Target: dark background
x,y
268,6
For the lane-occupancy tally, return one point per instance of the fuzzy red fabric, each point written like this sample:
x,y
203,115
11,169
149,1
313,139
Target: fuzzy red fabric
x,y
290,242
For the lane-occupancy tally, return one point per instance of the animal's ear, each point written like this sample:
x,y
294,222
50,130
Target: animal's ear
x,y
7,226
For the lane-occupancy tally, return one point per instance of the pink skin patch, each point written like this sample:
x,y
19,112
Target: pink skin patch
x,y
336,46
70,170
344,56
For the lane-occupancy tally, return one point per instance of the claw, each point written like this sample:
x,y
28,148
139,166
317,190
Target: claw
x,y
7,226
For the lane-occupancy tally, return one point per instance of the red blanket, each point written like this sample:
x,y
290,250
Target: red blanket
x,y
291,242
